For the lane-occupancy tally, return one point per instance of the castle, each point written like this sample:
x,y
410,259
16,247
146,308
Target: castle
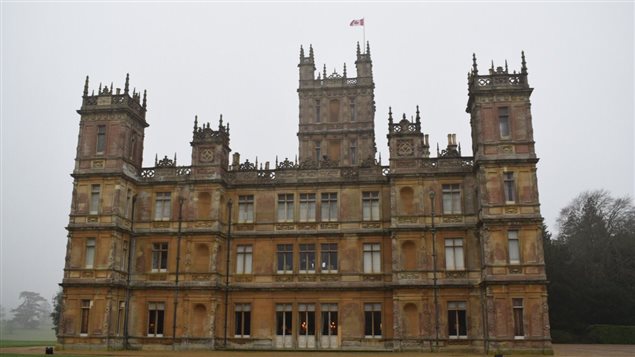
x,y
329,251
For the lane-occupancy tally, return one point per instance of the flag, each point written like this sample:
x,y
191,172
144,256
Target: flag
x,y
359,22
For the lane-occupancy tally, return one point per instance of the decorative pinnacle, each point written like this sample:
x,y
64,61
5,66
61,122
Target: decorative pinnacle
x,y
99,91
86,87
523,68
311,52
127,85
358,50
474,66
344,70
324,75
220,122
368,49
195,122
111,87
492,65
144,100
301,53
506,69
418,118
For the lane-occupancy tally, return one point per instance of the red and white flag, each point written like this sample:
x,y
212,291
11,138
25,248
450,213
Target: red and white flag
x,y
359,22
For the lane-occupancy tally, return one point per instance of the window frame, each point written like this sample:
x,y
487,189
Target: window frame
x,y
306,319
242,320
160,257
95,199
100,140
84,322
452,198
246,204
244,259
518,317
371,258
504,124
285,208
329,319
373,312
284,319
284,258
328,207
509,186
163,206
156,313
307,258
308,204
370,204
455,308
326,251
89,253
513,247
452,260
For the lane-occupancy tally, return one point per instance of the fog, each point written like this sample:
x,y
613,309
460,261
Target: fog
x,y
241,60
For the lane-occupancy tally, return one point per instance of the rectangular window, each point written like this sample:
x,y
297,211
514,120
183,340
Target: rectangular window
x,y
124,256
285,207
317,111
353,152
246,209
519,329
307,207
120,317
514,247
243,259
452,199
306,319
159,257
89,259
454,259
162,206
126,209
328,257
307,258
285,258
370,206
503,121
353,111
457,319
95,191
85,312
242,313
318,152
329,206
284,326
156,315
101,139
372,258
329,319
510,187
372,320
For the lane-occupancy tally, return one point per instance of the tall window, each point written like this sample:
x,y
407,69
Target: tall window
x,y
457,319
514,247
101,139
454,254
318,151
372,258
284,326
285,207
89,258
159,257
124,255
162,206
510,186
95,191
242,325
370,206
285,258
246,209
353,152
156,315
353,111
317,111
329,206
329,319
328,257
126,209
307,258
306,319
503,121
85,312
243,259
451,199
307,207
372,320
519,329
120,317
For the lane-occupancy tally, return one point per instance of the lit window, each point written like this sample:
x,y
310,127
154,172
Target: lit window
x,y
246,209
243,320
101,139
457,319
284,326
370,206
95,192
162,206
285,207
452,199
85,312
156,315
503,121
372,320
328,257
243,259
306,319
307,258
159,257
285,258
89,259
372,258
514,247
519,329
510,187
329,206
329,319
454,254
307,207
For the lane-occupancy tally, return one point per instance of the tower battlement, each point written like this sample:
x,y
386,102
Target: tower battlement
x,y
109,98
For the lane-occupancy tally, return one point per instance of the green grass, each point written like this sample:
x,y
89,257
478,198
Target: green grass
x,y
23,343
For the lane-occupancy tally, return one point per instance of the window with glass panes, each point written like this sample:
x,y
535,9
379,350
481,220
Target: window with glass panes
x,y
372,320
329,319
503,122
284,321
328,257
159,257
101,139
95,199
307,207
519,328
372,258
285,207
85,315
451,199
243,259
514,247
454,259
307,258
156,315
329,206
242,321
509,184
370,206
457,319
285,258
306,319
245,208
89,258
162,206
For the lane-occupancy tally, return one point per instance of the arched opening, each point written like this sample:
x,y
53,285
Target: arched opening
x,y
411,320
199,321
201,258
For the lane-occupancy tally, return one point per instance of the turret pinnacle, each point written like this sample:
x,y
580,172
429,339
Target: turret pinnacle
x,y
523,68
86,87
474,65
127,85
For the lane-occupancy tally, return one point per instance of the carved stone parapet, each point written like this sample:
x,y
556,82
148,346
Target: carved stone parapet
x,y
307,277
201,277
372,277
409,275
460,274
97,164
515,270
285,227
157,276
284,278
329,277
511,210
245,227
453,219
329,225
243,278
160,224
307,226
407,219
371,225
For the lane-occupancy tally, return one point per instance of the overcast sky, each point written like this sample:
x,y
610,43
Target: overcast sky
x,y
241,60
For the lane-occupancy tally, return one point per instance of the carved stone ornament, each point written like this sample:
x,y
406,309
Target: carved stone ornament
x,y
207,155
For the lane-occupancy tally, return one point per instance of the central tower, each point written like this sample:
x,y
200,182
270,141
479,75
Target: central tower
x,y
337,113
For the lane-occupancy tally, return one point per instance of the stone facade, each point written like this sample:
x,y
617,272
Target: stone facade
x,y
328,251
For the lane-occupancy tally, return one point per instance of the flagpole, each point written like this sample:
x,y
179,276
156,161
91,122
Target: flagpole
x,y
364,35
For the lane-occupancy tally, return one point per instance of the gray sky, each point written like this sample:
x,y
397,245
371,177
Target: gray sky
x,y
241,60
